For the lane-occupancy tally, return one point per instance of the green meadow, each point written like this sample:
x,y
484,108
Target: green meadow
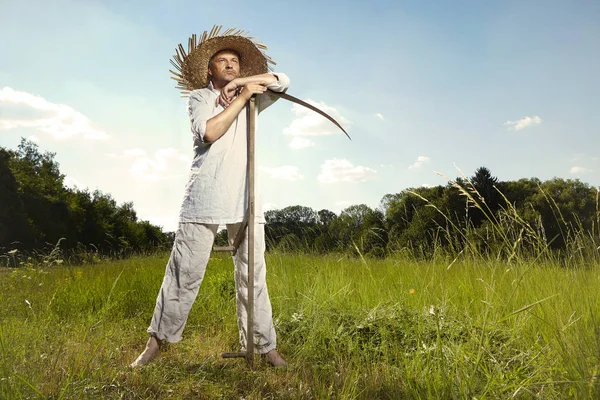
x,y
349,327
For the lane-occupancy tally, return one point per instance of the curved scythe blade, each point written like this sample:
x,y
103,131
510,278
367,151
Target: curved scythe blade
x,y
305,104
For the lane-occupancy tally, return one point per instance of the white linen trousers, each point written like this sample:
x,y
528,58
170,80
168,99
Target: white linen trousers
x,y
184,274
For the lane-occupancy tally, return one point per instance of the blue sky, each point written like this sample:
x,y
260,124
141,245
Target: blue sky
x,y
422,87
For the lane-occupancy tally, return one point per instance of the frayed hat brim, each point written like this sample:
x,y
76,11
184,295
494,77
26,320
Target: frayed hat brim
x,y
192,68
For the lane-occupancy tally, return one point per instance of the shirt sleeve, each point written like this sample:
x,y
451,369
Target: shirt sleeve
x,y
281,85
199,112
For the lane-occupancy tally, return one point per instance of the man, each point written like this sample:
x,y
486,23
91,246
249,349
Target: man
x,y
216,193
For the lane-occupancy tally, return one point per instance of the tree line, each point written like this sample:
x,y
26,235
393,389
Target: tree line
x,y
37,211
479,214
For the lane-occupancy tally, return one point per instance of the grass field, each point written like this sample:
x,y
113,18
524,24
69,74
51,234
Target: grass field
x,y
350,328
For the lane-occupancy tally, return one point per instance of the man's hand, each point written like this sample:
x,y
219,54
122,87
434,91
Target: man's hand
x,y
230,90
252,89
228,93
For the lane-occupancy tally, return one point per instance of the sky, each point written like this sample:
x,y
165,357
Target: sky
x,y
427,91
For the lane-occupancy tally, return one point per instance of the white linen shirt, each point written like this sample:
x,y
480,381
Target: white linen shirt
x,y
216,192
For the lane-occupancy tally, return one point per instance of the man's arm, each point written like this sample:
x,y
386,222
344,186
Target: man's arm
x,y
229,91
264,79
220,123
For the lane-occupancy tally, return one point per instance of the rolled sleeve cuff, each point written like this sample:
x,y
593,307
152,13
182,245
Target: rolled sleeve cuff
x,y
198,130
283,82
197,111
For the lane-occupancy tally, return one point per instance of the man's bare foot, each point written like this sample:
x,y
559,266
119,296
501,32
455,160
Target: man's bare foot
x,y
275,359
151,351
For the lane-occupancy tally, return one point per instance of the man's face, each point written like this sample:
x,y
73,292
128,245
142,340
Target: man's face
x,y
225,67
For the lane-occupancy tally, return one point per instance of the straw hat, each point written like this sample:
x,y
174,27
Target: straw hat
x,y
192,67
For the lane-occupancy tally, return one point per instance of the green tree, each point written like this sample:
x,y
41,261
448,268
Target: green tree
x,y
41,190
486,196
360,227
14,226
325,242
326,217
299,221
37,209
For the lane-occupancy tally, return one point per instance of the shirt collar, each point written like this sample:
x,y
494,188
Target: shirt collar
x,y
211,87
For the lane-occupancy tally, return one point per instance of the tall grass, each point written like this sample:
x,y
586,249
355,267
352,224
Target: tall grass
x,y
351,328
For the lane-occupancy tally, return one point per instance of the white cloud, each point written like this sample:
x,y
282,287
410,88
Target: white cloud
x,y
284,173
270,206
73,183
426,185
524,122
309,123
580,170
341,170
379,115
60,121
166,163
419,162
301,143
